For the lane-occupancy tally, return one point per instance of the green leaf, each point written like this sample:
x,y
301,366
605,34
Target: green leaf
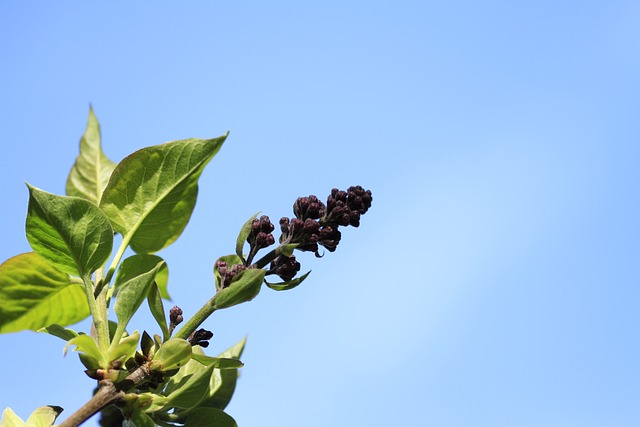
x,y
92,169
147,402
125,348
173,354
225,380
287,250
87,345
242,236
289,284
59,331
192,391
10,419
70,232
35,294
209,417
244,287
44,416
186,372
162,280
152,192
157,309
139,419
135,276
218,362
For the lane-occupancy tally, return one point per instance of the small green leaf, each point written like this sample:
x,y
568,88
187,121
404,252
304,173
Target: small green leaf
x,y
135,276
125,348
70,232
87,345
171,355
224,381
209,417
35,294
162,280
289,284
157,309
147,402
242,236
244,287
59,331
152,192
218,362
287,250
44,416
92,169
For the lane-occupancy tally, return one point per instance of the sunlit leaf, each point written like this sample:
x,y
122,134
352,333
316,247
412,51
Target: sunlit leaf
x,y
92,169
34,294
134,278
59,331
125,348
10,419
70,232
152,192
87,345
44,416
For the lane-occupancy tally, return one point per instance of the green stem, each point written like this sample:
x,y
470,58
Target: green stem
x,y
117,257
196,320
98,315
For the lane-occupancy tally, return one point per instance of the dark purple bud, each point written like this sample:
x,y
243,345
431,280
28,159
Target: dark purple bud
x,y
285,267
330,237
284,225
359,199
175,316
201,337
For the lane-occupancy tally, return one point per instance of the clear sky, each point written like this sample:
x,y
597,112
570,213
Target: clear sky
x,y
495,281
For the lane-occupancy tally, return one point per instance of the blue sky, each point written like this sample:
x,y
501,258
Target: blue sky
x,y
494,281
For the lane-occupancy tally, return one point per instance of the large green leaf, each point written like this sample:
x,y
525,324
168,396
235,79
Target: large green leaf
x,y
209,417
35,294
135,277
225,380
152,192
71,232
192,391
92,169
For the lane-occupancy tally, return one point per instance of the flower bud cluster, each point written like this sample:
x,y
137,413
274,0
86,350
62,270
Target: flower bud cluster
x,y
285,266
316,224
228,273
260,236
